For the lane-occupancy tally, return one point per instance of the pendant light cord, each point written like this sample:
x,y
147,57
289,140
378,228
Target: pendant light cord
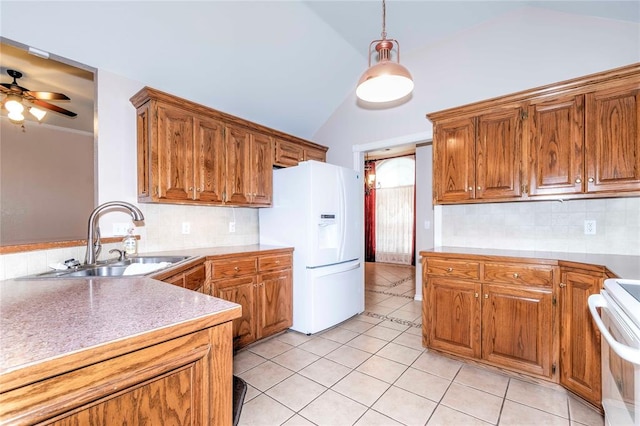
x,y
384,24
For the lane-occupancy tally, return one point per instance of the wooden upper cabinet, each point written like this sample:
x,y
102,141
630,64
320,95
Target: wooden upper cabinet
x,y
575,139
209,160
290,152
261,173
175,153
238,144
454,160
498,154
613,138
556,146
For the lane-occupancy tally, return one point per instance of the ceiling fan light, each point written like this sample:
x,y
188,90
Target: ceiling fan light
x,y
16,117
37,113
14,104
384,82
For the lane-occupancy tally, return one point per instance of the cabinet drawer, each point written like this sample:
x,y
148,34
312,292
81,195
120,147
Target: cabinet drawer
x,y
234,268
194,278
453,268
536,275
272,263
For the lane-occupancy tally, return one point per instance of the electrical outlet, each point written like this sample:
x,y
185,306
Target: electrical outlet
x,y
232,227
120,228
589,227
186,228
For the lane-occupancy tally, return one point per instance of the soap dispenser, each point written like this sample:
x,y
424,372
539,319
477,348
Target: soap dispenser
x,y
130,244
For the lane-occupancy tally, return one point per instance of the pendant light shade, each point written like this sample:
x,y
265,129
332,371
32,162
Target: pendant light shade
x,y
387,80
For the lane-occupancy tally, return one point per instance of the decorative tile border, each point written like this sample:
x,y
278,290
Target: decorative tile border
x,y
392,319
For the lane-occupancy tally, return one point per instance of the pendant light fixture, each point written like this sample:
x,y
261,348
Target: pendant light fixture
x,y
385,81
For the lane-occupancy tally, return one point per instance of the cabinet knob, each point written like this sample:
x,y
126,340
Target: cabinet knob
x,y
476,294
471,188
236,269
191,188
516,275
449,269
486,296
479,188
562,285
591,179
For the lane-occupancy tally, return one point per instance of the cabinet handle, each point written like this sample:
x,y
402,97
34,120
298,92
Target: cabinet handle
x,y
578,180
591,179
236,269
562,285
486,296
449,269
516,275
476,294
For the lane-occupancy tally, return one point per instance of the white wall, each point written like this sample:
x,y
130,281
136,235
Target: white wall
x,y
521,50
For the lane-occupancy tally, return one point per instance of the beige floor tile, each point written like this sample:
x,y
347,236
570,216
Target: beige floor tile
x,y
373,418
251,393
414,330
369,319
395,325
515,414
404,315
325,372
340,335
383,333
296,391
293,338
423,384
270,348
404,407
581,413
414,306
333,409
554,401
245,360
297,420
263,410
399,353
471,401
320,346
357,325
265,375
295,359
348,356
483,379
410,340
394,302
378,309
439,365
361,387
367,343
445,416
383,369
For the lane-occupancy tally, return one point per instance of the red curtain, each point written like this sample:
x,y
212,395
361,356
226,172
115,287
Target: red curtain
x,y
369,213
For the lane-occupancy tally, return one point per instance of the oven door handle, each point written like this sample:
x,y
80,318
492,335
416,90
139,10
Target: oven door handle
x,y
625,352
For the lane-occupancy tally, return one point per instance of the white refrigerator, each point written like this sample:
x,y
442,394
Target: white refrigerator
x,y
318,209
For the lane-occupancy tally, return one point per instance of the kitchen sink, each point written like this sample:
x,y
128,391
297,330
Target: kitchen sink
x,y
116,268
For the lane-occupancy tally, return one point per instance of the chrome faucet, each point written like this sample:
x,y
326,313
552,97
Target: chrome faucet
x,y
93,237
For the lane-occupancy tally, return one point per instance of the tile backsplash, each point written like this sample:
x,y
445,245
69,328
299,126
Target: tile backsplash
x,y
162,230
545,225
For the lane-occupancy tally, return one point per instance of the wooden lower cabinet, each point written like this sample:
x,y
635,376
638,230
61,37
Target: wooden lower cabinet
x,y
579,339
192,278
526,315
263,285
182,381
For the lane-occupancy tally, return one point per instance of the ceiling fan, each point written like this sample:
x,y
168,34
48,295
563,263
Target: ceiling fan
x,y
16,95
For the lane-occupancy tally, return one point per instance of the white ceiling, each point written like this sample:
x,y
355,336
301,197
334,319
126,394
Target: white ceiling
x,y
285,64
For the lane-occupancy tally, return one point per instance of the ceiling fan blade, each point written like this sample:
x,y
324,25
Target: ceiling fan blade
x,y
49,96
52,107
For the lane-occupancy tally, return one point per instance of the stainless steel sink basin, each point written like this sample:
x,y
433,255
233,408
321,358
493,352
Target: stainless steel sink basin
x,y
115,268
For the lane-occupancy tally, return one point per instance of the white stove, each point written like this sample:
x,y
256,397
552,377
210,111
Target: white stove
x,y
619,323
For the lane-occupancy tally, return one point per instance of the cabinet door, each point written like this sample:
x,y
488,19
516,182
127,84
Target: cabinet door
x,y
196,279
498,154
175,153
288,153
613,139
579,339
556,146
454,160
454,316
516,328
315,154
275,295
238,143
261,170
209,160
241,291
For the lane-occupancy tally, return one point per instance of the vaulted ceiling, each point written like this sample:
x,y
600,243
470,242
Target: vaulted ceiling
x,y
285,64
